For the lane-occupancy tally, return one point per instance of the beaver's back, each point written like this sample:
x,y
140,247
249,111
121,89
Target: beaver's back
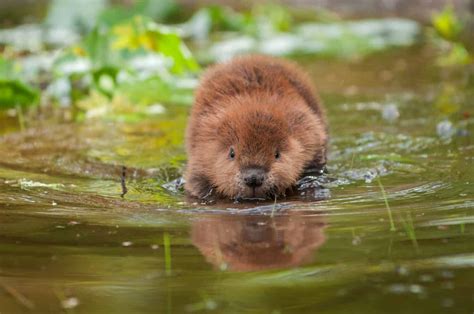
x,y
253,74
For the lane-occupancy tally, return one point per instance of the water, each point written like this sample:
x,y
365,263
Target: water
x,y
69,241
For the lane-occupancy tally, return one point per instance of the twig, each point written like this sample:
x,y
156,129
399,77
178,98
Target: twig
x,y
20,298
122,181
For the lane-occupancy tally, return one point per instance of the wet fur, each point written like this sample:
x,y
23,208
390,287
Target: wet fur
x,y
258,105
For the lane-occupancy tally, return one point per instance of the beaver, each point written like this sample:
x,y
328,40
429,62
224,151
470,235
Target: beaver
x,y
255,126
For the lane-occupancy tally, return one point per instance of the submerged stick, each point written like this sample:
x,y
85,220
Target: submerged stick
x,y
20,298
122,181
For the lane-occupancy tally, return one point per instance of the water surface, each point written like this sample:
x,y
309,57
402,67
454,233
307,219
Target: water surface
x,y
69,241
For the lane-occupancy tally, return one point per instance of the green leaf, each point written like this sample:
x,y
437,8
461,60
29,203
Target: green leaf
x,y
15,93
105,80
142,34
458,55
170,45
97,46
447,24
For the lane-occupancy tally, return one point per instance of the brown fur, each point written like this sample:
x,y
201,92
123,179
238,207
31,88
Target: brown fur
x,y
256,105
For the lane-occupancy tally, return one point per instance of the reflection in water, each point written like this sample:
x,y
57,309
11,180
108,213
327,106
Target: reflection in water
x,y
257,242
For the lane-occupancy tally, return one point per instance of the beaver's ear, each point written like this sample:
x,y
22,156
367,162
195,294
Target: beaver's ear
x,y
199,185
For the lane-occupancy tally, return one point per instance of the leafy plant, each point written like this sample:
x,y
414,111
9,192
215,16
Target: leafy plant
x,y
13,91
134,57
447,24
448,27
143,34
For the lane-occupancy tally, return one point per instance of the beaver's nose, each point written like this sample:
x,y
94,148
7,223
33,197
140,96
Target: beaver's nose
x,y
254,177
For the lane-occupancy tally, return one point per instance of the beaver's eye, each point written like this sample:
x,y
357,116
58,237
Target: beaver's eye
x,y
231,153
277,154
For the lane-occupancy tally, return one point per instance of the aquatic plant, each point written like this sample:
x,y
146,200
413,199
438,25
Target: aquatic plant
x,y
387,206
167,248
410,229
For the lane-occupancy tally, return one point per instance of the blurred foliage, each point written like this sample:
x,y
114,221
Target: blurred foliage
x,y
83,16
453,54
448,27
447,24
13,91
121,62
271,29
447,101
119,59
82,19
159,11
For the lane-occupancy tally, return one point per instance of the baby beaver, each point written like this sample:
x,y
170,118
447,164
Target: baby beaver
x,y
256,125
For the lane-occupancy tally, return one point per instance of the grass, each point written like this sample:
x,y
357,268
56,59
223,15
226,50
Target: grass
x,y
389,211
410,230
352,161
407,223
167,246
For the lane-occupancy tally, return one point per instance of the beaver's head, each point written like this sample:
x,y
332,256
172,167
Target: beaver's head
x,y
261,148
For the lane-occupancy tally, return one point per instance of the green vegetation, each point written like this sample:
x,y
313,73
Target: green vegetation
x,y
448,28
115,62
387,206
410,229
167,247
14,91
122,63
